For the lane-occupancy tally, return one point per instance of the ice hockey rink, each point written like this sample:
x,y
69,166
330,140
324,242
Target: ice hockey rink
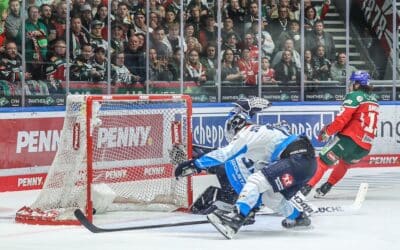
x,y
374,227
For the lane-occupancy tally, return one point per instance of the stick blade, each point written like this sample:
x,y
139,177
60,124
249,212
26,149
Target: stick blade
x,y
85,222
361,195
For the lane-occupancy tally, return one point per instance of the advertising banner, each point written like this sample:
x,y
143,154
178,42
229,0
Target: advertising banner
x,y
379,15
30,139
136,137
207,93
29,142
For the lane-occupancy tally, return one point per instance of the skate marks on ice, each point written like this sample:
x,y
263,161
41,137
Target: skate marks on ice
x,y
6,213
378,179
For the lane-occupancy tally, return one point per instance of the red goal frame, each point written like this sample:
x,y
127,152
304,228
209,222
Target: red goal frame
x,y
38,217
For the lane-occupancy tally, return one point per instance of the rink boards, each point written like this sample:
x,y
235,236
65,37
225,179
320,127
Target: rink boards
x,y
30,138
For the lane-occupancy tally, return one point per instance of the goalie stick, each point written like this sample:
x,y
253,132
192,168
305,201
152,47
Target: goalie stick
x,y
320,210
95,229
209,148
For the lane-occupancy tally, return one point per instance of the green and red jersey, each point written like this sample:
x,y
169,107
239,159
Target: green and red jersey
x,y
358,118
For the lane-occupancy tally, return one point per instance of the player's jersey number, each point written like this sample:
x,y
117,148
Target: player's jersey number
x,y
368,122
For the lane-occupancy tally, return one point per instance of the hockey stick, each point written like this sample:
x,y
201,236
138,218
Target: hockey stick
x,y
320,210
204,147
355,207
313,210
94,229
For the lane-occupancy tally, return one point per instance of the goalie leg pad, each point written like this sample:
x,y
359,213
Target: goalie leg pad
x,y
210,198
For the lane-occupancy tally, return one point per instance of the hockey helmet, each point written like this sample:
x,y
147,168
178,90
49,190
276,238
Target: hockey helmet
x,y
361,77
235,123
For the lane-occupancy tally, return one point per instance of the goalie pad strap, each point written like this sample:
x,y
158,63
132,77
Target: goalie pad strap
x,y
204,203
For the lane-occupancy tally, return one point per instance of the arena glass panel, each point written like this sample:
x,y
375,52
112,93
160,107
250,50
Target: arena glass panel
x,y
366,45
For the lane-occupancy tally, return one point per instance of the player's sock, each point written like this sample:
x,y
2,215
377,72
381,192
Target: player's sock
x,y
324,189
321,169
338,172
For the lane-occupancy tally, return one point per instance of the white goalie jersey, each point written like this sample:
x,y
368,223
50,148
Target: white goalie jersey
x,y
260,144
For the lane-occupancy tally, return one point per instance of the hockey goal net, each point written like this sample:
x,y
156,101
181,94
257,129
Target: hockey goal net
x,y
115,150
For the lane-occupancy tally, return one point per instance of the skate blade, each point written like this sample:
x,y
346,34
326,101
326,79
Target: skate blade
x,y
299,228
318,196
226,231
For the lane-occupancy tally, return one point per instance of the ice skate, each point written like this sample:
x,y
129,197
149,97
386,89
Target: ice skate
x,y
306,189
227,223
251,218
323,190
301,221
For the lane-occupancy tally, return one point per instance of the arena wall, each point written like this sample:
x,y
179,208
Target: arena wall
x,y
30,136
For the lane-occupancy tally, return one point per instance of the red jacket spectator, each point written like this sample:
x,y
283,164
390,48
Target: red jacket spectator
x,y
2,38
248,67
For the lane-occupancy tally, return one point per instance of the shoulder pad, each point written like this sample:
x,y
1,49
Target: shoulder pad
x,y
353,99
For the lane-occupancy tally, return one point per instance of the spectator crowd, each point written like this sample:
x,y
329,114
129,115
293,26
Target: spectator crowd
x,y
45,43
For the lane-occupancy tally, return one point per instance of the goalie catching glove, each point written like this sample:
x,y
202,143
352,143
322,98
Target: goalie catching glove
x,y
323,135
186,168
177,154
251,106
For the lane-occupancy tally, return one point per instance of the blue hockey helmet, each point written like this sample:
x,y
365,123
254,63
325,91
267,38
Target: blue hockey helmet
x,y
235,123
361,77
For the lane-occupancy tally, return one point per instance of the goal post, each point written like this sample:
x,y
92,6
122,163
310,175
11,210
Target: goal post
x,y
113,154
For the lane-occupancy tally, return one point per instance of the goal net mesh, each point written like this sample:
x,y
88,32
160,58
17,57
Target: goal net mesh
x,y
121,146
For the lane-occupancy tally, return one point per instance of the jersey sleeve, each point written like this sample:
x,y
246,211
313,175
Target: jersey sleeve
x,y
350,105
220,156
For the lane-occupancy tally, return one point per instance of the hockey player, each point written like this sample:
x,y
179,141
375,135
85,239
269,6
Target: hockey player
x,y
354,129
231,177
233,174
286,163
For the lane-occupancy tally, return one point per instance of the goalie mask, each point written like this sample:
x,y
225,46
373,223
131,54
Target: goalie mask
x,y
240,115
234,124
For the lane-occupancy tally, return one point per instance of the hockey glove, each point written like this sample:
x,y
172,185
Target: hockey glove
x,y
177,154
322,135
252,106
186,168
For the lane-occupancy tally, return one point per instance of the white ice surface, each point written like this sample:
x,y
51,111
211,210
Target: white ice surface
x,y
375,227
